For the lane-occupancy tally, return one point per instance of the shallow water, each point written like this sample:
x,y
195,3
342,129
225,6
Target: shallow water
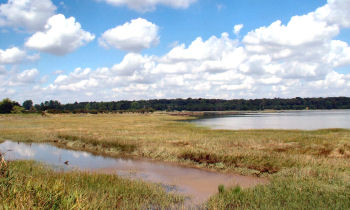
x,y
303,120
196,183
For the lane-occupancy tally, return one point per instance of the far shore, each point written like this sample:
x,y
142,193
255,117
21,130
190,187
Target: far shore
x,y
239,112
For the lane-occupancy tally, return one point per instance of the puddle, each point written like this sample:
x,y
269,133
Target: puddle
x,y
198,184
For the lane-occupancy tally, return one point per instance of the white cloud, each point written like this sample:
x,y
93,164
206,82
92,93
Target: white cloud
x,y
132,63
333,80
237,28
275,61
28,14
2,70
15,55
335,12
79,79
13,81
27,76
150,5
339,53
300,30
133,36
61,36
211,49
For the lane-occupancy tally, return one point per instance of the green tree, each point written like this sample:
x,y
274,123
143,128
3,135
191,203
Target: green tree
x,y
6,106
135,105
27,104
17,109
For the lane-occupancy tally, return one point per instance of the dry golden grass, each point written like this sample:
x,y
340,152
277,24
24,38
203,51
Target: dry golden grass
x,y
170,138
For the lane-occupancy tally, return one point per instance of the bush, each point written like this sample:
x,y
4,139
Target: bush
x,y
7,105
17,110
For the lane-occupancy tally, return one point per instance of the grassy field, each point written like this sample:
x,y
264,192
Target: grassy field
x,y
306,169
28,185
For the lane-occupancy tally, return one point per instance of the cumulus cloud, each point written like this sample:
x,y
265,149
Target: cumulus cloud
x,y
15,55
28,14
61,36
132,63
299,58
12,81
150,5
77,80
335,12
27,76
133,36
211,49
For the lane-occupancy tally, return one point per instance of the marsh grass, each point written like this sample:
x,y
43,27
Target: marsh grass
x,y
299,164
124,147
29,185
286,193
221,188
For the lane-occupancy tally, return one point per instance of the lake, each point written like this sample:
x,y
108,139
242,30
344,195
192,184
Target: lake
x,y
302,120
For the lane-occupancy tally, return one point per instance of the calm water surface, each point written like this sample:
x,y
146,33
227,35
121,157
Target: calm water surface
x,y
197,184
304,120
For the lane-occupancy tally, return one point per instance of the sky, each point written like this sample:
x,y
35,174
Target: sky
x,y
110,50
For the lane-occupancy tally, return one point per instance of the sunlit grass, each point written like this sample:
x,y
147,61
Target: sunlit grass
x,y
28,185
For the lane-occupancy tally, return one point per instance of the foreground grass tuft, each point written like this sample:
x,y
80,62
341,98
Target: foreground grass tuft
x,y
29,185
286,193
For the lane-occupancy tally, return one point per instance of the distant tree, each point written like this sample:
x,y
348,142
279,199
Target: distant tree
x,y
28,104
17,110
200,104
135,105
6,106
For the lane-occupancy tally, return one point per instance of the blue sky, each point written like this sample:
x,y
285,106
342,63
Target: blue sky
x,y
48,71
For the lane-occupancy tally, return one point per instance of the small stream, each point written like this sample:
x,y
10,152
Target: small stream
x,y
198,184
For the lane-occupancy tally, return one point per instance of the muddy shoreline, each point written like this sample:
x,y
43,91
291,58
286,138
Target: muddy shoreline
x,y
198,184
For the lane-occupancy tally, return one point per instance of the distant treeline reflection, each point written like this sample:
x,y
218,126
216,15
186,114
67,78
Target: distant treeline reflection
x,y
53,106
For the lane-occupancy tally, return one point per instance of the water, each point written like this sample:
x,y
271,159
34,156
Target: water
x,y
196,183
303,120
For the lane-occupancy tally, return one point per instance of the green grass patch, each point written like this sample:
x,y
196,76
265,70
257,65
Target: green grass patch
x,y
29,185
124,147
286,193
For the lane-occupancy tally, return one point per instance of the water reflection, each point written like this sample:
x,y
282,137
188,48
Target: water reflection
x,y
303,120
198,184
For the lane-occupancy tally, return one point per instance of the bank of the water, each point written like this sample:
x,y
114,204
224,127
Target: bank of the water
x,y
197,184
30,185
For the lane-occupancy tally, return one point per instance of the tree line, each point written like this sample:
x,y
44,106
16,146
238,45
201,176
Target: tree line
x,y
189,104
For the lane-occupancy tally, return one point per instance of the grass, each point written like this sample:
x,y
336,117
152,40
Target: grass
x,y
295,191
29,185
307,169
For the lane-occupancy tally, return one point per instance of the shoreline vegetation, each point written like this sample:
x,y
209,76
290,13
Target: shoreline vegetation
x,y
306,169
31,185
179,105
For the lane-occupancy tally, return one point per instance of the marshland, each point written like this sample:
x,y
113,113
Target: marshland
x,y
175,104
303,168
